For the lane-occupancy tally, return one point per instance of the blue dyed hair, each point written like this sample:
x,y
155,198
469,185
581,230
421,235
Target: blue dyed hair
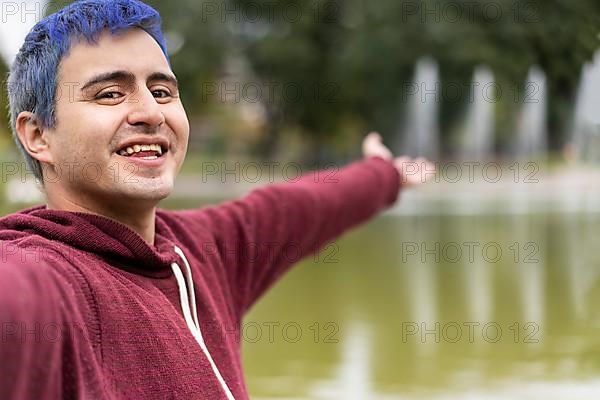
x,y
32,81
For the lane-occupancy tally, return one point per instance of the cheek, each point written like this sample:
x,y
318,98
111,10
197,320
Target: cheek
x,y
178,121
84,134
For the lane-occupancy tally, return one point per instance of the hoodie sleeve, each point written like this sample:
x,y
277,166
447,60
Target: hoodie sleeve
x,y
37,351
261,235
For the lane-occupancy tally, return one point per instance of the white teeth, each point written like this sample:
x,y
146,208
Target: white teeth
x,y
137,148
130,150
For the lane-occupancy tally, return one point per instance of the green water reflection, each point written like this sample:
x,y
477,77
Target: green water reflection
x,y
420,306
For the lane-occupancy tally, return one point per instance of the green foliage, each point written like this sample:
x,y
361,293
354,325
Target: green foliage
x,y
367,51
4,120
204,47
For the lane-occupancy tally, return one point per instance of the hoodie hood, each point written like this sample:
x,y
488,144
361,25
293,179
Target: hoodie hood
x,y
107,238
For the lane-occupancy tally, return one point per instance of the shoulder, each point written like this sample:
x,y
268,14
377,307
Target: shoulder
x,y
27,288
32,270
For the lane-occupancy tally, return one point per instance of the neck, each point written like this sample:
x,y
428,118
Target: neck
x,y
140,218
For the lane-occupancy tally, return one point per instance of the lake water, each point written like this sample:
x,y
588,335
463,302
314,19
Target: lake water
x,y
436,307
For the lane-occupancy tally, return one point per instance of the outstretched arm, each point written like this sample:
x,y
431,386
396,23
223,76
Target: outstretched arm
x,y
257,238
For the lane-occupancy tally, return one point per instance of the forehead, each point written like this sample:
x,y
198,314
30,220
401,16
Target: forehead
x,y
131,50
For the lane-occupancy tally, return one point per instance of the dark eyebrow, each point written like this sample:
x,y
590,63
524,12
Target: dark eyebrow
x,y
159,76
128,77
110,76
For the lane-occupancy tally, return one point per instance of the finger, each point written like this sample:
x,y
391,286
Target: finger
x,y
372,140
376,135
372,137
373,147
402,160
425,165
412,170
400,164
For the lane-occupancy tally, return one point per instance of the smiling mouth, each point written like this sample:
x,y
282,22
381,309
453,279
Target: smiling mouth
x,y
143,151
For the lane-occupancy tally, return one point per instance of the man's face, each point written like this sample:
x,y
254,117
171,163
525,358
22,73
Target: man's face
x,y
114,99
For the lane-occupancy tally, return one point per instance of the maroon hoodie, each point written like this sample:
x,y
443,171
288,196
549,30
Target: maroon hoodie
x,y
89,310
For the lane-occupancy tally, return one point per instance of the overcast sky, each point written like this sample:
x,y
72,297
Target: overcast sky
x,y
17,17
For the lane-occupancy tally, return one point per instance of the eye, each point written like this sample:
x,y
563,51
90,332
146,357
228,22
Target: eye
x,y
109,95
161,93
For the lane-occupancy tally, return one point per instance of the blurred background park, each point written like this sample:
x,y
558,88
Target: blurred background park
x,y
480,285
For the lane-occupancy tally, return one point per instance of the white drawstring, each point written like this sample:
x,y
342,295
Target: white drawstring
x,y
190,284
191,317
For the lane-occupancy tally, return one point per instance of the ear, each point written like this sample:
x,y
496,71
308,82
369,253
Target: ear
x,y
33,137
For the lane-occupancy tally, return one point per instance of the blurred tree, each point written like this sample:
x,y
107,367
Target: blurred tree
x,y
197,42
559,36
4,120
375,62
562,40
368,50
291,50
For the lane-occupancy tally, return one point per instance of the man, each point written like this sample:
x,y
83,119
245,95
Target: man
x,y
104,296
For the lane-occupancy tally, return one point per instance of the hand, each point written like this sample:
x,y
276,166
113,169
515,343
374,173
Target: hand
x,y
413,172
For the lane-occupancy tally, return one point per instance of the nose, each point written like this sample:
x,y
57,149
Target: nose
x,y
145,110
